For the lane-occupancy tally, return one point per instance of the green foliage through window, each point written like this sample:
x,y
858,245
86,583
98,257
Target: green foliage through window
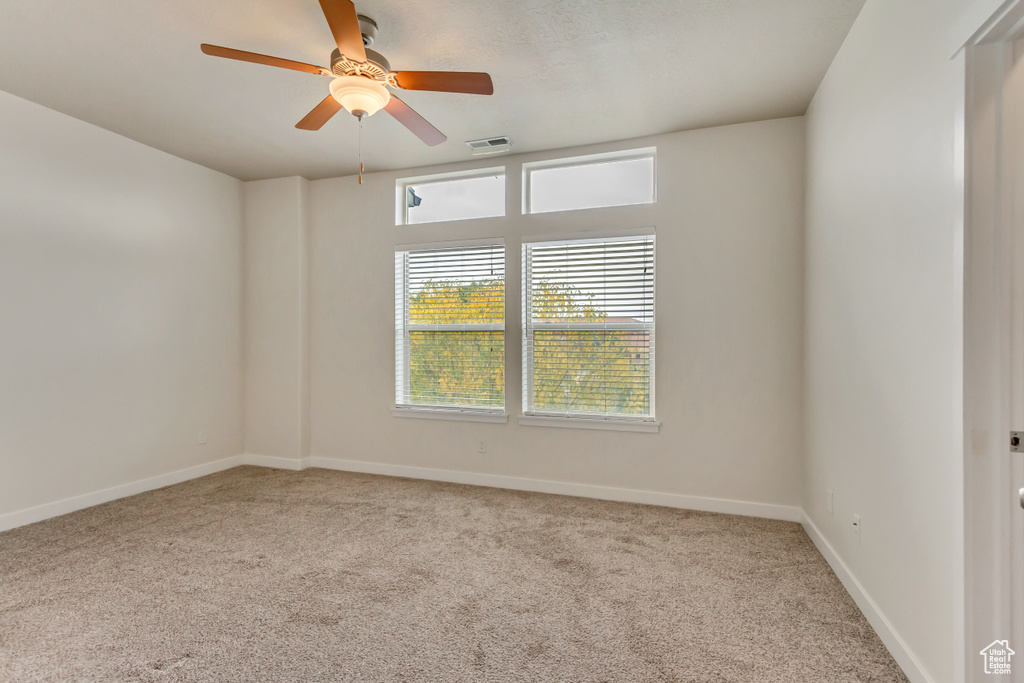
x,y
457,368
589,323
450,324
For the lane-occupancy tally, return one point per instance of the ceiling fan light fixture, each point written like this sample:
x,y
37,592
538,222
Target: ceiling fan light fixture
x,y
362,75
359,95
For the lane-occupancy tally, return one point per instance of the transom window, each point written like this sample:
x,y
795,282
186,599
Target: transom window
x,y
451,197
590,182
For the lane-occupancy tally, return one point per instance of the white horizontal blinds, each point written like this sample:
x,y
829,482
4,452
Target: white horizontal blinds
x,y
401,318
453,320
589,327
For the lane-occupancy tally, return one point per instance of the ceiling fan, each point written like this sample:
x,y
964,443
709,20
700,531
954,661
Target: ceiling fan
x,y
361,76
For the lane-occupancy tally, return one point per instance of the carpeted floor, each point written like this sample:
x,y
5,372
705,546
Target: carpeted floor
x,y
265,575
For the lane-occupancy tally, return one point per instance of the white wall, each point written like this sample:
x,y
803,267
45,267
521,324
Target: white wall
x,y
729,326
120,309
884,319
276,325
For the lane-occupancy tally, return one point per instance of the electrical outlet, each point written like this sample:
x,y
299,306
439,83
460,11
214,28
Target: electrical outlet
x,y
829,502
481,446
856,527
202,437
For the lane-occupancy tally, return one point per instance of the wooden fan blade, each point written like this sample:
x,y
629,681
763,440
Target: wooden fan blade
x,y
320,115
420,127
445,81
341,17
242,55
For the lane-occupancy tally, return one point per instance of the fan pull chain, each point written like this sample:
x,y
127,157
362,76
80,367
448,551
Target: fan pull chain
x,y
360,150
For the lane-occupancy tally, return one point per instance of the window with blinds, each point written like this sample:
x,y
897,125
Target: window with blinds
x,y
588,328
450,328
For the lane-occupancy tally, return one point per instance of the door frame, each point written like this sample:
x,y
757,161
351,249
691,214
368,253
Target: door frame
x,y
993,398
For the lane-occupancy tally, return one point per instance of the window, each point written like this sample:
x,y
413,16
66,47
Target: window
x,y
450,328
589,182
588,328
451,197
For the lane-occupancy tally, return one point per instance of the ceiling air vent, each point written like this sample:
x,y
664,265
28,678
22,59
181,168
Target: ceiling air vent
x,y
490,145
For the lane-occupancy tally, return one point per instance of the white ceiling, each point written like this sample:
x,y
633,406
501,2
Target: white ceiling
x,y
566,72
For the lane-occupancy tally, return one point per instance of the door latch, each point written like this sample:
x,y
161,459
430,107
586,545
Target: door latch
x,y
1017,442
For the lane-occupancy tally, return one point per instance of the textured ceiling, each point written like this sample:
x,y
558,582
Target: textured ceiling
x,y
566,72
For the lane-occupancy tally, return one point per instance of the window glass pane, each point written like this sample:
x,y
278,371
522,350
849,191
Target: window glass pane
x,y
588,336
607,183
457,369
456,199
449,327
592,371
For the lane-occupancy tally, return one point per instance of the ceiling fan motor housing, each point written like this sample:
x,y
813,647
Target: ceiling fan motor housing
x,y
376,66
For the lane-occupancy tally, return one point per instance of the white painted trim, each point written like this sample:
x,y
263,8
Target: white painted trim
x,y
725,506
597,235
629,154
273,462
456,415
57,508
721,505
451,244
984,21
897,647
610,424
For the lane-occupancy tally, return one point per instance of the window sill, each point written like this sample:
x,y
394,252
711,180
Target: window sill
x,y
457,415
588,423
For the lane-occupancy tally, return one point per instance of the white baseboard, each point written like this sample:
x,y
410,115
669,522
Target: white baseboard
x,y
273,462
675,500
890,638
38,513
732,507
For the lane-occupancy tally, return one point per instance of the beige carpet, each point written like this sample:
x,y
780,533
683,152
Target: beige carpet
x,y
264,575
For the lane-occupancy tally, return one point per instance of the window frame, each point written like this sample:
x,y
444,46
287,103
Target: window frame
x,y
402,188
403,328
589,160
531,417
